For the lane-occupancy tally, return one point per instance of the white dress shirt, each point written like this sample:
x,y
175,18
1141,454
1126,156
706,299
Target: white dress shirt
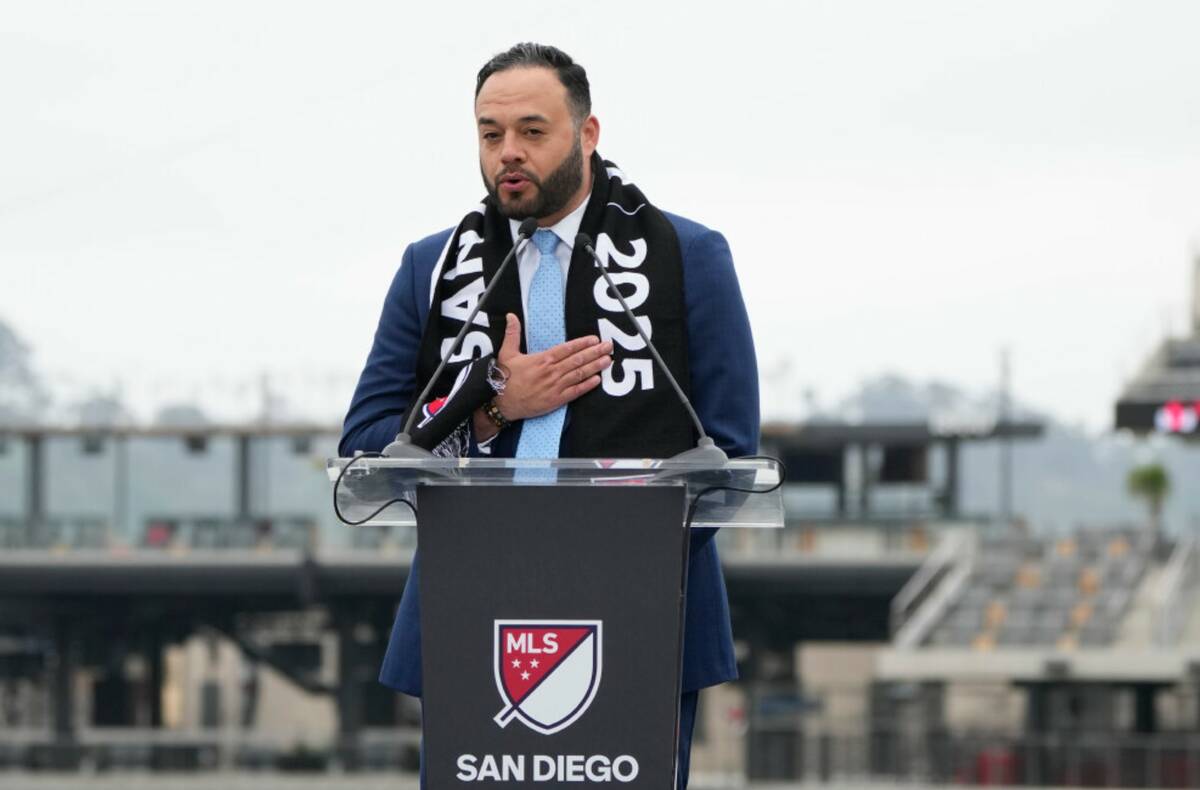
x,y
566,229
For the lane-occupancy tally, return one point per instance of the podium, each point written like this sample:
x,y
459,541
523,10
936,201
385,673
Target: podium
x,y
552,604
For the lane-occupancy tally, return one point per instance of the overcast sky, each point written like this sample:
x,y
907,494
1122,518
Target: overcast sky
x,y
193,193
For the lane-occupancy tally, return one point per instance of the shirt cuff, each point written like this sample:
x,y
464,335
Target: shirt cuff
x,y
475,446
485,447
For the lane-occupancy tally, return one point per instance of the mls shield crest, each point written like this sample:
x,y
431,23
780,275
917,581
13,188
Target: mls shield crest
x,y
547,671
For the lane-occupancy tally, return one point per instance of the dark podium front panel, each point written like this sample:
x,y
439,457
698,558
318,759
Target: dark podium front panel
x,y
551,623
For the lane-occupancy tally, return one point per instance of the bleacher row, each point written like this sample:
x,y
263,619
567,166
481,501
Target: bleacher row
x,y
1025,592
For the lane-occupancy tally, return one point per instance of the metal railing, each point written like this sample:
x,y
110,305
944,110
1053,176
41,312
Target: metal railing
x,y
1171,604
926,596
159,532
176,532
1067,760
221,749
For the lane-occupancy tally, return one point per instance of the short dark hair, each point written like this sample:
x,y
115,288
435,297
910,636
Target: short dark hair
x,y
570,73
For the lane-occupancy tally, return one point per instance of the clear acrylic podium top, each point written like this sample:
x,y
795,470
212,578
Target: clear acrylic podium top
x,y
371,482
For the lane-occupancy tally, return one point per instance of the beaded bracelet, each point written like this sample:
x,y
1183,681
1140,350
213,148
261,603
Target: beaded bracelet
x,y
493,413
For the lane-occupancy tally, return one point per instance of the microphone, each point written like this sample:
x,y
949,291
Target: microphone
x,y
706,451
402,446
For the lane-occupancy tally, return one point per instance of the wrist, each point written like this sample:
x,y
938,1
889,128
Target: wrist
x,y
507,406
493,413
484,427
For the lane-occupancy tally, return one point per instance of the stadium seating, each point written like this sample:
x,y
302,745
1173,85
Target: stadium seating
x,y
1024,592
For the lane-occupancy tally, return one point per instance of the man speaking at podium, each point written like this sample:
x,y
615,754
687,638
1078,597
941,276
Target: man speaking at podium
x,y
558,370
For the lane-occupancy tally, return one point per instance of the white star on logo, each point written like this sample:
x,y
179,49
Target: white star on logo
x,y
534,663
516,663
524,676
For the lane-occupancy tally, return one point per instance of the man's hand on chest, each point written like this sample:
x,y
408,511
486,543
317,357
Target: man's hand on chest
x,y
539,383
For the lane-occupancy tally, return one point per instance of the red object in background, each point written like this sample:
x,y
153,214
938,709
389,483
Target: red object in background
x,y
1176,769
995,766
159,533
1178,417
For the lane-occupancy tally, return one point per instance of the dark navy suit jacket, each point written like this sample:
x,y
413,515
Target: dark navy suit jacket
x,y
724,391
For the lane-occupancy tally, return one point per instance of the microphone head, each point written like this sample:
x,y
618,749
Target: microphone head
x,y
583,240
527,227
402,447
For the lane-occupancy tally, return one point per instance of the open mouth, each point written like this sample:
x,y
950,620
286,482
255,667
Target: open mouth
x,y
513,182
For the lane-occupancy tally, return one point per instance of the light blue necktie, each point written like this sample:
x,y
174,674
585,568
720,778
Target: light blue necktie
x,y
545,328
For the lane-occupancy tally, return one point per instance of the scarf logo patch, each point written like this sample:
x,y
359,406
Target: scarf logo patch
x,y
431,409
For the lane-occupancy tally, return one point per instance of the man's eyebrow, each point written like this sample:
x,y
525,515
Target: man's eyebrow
x,y
486,121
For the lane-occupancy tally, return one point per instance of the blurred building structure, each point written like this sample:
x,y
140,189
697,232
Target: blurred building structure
x,y
1071,661
1164,396
1029,660
183,598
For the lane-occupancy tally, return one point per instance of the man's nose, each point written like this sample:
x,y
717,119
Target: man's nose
x,y
512,152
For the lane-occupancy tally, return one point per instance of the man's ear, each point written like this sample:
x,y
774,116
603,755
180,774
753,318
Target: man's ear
x,y
589,134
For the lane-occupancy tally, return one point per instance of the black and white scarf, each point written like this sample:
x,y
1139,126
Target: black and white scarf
x,y
634,413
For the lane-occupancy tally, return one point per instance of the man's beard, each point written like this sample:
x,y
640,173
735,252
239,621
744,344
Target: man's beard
x,y
553,194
